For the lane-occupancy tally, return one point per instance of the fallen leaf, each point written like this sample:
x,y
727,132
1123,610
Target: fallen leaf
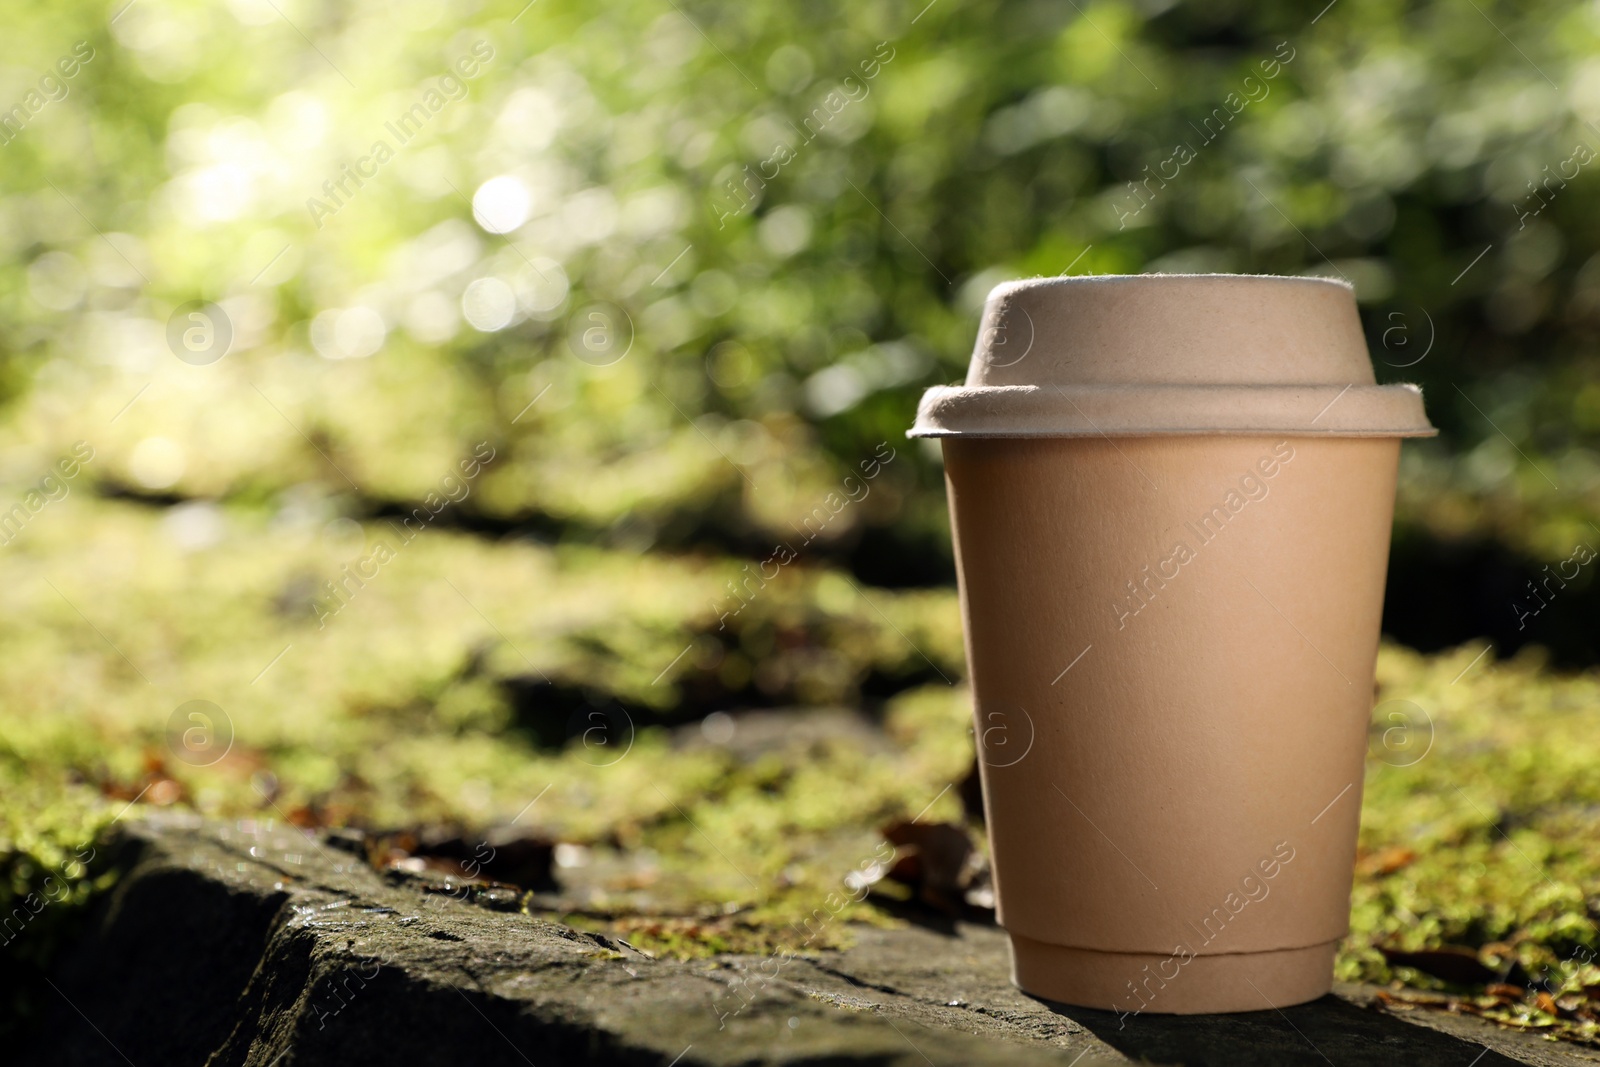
x,y
1385,861
939,862
1458,965
501,856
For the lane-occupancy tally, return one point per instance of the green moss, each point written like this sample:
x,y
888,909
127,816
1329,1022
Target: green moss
x,y
1489,841
405,708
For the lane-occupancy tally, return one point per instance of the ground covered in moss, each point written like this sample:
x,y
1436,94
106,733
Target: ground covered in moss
x,y
175,656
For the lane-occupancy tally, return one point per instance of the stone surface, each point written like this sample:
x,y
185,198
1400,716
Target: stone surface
x,y
254,944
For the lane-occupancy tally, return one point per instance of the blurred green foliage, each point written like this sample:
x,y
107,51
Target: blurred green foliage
x,y
790,213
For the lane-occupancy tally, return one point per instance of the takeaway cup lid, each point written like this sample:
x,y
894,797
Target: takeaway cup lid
x,y
1137,355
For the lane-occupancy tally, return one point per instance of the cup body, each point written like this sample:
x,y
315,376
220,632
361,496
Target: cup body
x,y
1171,642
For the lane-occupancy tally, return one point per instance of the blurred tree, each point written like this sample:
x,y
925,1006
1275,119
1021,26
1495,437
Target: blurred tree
x,y
688,264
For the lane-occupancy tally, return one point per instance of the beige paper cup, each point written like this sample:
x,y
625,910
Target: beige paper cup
x,y
1171,499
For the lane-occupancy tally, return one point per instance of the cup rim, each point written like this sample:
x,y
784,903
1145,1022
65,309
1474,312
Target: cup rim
x,y
1045,281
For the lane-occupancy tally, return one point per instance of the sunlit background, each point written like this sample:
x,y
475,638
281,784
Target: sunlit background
x,y
550,324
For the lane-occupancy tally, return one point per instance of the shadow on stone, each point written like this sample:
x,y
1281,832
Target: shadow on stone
x,y
1326,1031
918,914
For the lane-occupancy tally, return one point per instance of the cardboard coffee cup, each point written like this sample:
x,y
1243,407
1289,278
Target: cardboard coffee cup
x,y
1171,499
